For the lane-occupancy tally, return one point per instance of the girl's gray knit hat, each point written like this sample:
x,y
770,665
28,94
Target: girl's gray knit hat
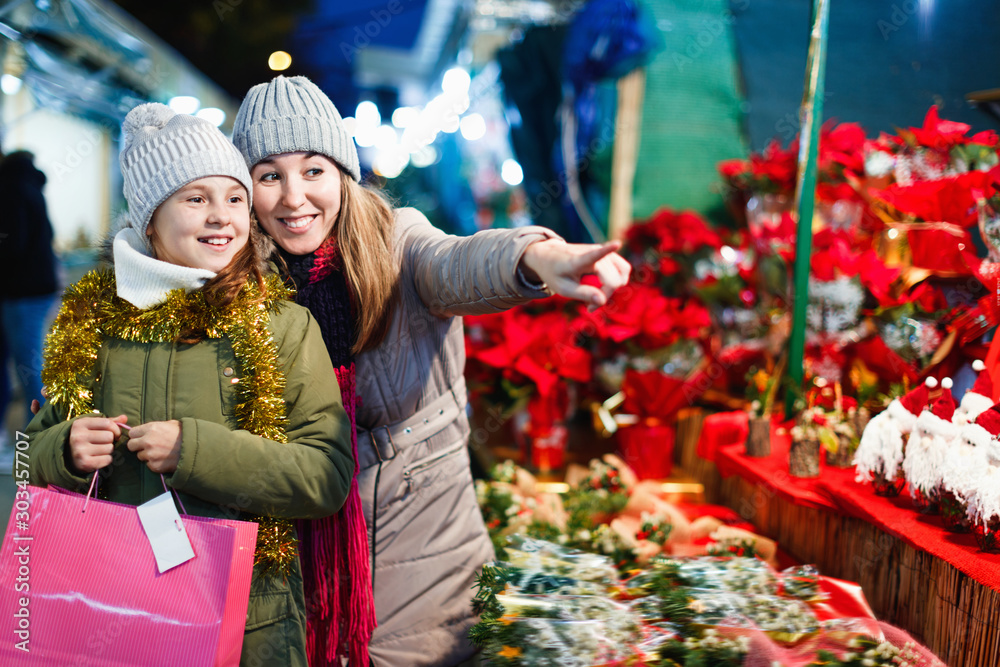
x,y
163,151
290,114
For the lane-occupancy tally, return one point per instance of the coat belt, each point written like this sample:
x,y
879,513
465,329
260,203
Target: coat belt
x,y
385,442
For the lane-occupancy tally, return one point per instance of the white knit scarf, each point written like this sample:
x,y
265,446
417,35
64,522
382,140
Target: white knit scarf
x,y
144,281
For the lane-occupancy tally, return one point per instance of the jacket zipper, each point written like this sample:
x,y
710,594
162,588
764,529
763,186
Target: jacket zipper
x,y
142,413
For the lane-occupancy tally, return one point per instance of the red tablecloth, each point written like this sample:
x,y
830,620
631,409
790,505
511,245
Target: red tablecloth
x,y
900,518
772,471
835,490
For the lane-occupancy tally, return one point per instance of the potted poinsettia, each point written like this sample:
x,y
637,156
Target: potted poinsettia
x,y
537,354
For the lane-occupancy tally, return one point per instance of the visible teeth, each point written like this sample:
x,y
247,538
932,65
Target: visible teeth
x,y
298,222
217,241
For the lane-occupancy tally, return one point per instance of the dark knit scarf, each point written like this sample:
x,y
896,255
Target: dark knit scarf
x,y
336,567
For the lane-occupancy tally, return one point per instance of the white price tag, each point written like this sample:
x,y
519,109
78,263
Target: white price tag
x,y
166,532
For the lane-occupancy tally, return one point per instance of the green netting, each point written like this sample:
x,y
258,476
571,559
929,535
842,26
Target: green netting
x,y
691,117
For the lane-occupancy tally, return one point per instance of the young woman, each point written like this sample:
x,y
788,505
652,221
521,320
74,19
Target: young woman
x,y
395,286
226,386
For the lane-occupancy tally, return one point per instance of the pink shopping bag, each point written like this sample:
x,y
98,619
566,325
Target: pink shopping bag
x,y
82,588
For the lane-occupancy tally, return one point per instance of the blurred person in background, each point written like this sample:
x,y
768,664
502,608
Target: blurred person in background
x,y
29,285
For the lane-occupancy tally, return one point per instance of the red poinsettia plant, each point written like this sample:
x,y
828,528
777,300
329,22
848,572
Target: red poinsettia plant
x,y
936,215
943,135
525,354
937,149
848,254
644,318
665,249
774,170
840,160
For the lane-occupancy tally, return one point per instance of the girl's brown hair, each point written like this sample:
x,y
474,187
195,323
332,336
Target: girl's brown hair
x,y
364,238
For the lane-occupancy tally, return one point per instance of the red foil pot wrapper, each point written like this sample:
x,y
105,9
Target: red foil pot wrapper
x,y
656,395
926,503
886,488
648,447
987,535
548,447
954,513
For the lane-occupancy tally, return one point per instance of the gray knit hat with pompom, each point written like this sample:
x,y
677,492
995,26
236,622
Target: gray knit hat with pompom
x,y
163,151
291,114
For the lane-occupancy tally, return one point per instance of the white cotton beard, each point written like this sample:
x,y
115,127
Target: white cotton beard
x,y
144,281
893,439
984,499
962,470
868,455
927,450
880,448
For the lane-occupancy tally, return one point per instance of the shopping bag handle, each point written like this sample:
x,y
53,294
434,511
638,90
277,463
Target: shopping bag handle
x,y
97,473
93,483
176,495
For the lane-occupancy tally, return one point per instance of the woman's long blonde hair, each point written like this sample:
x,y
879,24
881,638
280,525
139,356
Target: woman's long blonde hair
x,y
364,238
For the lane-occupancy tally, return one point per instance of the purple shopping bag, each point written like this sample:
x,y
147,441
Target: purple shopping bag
x,y
82,588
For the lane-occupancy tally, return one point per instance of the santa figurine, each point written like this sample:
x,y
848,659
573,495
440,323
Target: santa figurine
x,y
978,398
984,509
983,433
964,466
879,456
928,447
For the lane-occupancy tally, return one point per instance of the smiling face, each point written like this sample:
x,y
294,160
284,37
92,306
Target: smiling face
x,y
203,225
297,199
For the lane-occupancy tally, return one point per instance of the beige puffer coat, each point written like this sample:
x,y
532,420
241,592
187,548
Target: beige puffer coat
x,y
427,533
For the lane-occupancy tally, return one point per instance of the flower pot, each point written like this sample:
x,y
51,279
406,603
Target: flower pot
x,y
758,442
987,535
803,458
860,419
954,513
926,503
648,448
844,456
886,488
548,447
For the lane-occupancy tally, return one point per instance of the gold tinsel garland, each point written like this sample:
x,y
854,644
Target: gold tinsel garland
x,y
92,309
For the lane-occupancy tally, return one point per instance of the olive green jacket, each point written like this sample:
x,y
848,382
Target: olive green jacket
x,y
223,471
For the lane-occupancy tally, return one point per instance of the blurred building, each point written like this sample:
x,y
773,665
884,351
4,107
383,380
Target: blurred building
x,y
71,70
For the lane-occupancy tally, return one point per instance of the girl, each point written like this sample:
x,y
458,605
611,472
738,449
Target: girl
x,y
227,387
395,287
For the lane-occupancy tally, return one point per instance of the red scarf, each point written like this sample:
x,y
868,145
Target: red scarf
x,y
336,564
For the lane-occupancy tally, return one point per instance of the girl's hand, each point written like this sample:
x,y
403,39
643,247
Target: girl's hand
x,y
561,266
158,444
92,440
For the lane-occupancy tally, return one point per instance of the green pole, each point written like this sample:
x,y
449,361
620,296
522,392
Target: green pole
x,y
811,115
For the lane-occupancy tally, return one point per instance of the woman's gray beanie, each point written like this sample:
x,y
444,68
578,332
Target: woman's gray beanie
x,y
290,114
